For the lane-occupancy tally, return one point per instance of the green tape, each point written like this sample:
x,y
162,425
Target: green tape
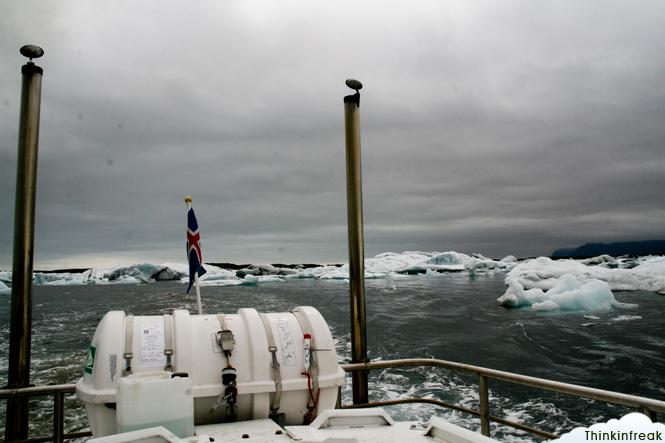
x,y
90,361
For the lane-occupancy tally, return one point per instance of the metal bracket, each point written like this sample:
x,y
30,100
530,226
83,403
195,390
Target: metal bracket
x,y
226,341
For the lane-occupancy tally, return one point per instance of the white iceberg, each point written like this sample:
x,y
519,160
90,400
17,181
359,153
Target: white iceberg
x,y
392,265
5,276
214,275
543,273
385,265
605,260
509,259
263,279
447,261
4,289
248,280
627,318
450,261
143,272
566,293
388,262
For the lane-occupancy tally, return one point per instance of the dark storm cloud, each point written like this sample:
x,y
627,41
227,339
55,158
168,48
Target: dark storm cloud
x,y
513,128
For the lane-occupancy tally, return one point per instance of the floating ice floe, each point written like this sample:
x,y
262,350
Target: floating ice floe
x,y
4,289
566,293
605,260
248,280
452,261
627,318
394,265
543,273
385,265
5,276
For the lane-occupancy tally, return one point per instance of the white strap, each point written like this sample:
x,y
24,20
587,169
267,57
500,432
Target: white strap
x,y
129,333
276,373
307,329
168,341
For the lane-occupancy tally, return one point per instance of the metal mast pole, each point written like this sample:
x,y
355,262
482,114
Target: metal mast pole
x,y
354,201
16,424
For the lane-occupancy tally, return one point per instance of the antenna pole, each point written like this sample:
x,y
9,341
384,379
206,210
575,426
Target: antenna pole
x,y
354,203
16,424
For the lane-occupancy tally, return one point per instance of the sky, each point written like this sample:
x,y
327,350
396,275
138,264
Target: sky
x,y
512,127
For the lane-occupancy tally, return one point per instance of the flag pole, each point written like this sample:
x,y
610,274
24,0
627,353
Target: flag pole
x,y
188,201
198,292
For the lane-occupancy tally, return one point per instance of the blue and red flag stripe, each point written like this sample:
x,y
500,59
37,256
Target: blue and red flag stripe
x,y
194,253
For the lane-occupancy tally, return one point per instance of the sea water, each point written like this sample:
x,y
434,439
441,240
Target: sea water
x,y
448,316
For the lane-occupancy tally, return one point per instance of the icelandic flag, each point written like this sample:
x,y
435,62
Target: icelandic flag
x,y
194,253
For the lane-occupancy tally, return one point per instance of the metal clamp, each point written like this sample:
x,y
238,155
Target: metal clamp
x,y
226,341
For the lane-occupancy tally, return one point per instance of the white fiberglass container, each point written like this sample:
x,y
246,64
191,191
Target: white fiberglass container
x,y
155,399
187,344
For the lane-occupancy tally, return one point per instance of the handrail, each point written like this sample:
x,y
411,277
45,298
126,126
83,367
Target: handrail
x,y
58,392
35,391
648,406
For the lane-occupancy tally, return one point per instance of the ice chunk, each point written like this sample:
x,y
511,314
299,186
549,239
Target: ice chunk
x,y
626,318
452,261
263,279
567,293
447,261
389,262
542,273
4,289
132,274
226,282
138,273
318,272
258,270
214,273
385,265
5,276
604,260
214,276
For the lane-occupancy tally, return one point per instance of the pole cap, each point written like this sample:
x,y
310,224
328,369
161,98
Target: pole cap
x,y
188,199
355,98
354,84
31,51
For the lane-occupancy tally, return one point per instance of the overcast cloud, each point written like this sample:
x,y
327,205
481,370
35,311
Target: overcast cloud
x,y
512,127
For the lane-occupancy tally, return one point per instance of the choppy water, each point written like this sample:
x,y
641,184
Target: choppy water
x,y
449,316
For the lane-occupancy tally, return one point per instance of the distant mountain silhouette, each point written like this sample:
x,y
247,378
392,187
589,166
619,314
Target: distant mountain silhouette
x,y
646,247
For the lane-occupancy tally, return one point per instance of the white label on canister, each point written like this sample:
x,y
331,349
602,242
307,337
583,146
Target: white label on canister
x,y
151,330
287,341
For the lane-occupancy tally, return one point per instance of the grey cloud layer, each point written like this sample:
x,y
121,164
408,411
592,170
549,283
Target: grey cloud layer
x,y
489,128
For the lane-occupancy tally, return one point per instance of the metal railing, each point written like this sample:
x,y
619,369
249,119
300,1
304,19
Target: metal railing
x,y
647,406
58,393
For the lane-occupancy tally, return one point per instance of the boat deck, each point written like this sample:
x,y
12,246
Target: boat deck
x,y
333,426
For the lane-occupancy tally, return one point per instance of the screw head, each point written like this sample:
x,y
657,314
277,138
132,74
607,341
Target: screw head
x,y
31,51
354,84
